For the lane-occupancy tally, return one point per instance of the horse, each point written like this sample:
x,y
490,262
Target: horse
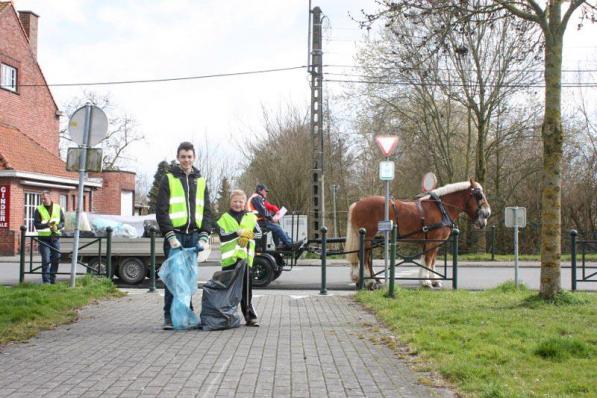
x,y
431,216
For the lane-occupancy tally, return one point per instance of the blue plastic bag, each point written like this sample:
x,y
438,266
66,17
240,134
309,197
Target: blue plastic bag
x,y
179,273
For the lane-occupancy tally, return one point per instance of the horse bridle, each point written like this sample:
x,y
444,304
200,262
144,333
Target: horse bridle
x,y
475,192
478,195
446,221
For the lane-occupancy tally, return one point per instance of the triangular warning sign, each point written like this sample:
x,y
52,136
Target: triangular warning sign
x,y
387,144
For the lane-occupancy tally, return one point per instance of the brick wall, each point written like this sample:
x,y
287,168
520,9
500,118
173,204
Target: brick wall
x,y
10,239
107,199
31,109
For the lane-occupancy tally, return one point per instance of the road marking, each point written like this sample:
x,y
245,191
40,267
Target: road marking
x,y
220,375
292,296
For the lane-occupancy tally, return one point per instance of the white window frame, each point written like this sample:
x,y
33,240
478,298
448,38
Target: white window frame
x,y
32,200
63,201
8,77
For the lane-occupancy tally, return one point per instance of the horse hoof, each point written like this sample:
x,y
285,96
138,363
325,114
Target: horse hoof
x,y
426,284
436,284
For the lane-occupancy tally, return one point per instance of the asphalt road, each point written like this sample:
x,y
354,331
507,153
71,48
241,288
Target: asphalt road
x,y
308,277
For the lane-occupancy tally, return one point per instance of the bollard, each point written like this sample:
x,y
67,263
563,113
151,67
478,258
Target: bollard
x,y
152,232
22,254
323,257
455,233
361,282
393,261
109,272
99,263
493,243
573,234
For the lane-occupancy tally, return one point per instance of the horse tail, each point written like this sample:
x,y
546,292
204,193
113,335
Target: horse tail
x,y
352,244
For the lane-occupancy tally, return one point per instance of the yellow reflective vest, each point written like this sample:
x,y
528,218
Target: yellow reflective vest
x,y
231,251
47,218
178,211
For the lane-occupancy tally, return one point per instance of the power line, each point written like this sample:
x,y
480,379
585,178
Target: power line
x,y
403,83
452,69
166,79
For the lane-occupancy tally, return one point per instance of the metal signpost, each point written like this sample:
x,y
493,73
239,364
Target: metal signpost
x,y
387,144
87,127
515,217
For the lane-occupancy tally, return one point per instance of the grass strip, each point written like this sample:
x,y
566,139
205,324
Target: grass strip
x,y
504,342
29,308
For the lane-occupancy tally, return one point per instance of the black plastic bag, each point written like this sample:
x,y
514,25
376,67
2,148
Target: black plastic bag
x,y
221,297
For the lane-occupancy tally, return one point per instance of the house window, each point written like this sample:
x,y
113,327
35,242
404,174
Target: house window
x,y
32,200
8,77
64,201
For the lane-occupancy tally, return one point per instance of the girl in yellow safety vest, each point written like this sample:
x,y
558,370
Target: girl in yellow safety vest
x,y
238,230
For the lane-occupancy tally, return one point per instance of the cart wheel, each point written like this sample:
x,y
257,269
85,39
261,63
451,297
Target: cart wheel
x,y
131,270
263,272
94,263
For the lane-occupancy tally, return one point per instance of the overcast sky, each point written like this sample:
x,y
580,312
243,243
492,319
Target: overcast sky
x,y
111,40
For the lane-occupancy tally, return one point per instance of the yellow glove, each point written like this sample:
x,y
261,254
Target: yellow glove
x,y
243,242
248,234
244,236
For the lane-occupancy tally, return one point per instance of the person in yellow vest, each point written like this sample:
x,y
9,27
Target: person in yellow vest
x,y
238,230
48,221
183,211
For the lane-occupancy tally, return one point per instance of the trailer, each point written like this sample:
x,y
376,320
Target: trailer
x,y
131,257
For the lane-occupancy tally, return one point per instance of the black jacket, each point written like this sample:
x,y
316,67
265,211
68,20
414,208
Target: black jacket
x,y
258,203
189,184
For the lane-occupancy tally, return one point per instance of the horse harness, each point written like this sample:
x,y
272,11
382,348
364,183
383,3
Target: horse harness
x,y
445,221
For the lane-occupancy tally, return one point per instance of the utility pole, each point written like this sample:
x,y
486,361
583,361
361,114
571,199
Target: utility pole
x,y
316,215
334,188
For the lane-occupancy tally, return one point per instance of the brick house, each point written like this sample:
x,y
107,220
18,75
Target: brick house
x,y
29,140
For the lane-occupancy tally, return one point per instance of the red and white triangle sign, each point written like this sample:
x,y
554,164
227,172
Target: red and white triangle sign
x,y
387,144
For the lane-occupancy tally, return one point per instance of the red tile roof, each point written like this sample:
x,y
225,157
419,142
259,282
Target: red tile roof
x,y
20,153
4,4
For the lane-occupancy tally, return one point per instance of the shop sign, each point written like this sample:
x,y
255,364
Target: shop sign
x,y
4,206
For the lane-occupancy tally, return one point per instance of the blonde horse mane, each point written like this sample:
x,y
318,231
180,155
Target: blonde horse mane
x,y
450,188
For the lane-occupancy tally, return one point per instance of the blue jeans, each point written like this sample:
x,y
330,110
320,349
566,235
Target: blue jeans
x,y
49,256
186,240
279,234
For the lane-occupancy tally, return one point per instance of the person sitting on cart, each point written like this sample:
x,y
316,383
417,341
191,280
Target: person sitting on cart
x,y
257,205
238,229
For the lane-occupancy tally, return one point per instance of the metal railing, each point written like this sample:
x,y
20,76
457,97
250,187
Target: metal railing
x,y
587,273
411,259
35,268
404,259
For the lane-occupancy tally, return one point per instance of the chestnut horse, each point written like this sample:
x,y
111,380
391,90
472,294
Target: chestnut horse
x,y
429,217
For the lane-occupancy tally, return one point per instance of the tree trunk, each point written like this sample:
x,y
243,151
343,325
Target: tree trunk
x,y
480,173
552,163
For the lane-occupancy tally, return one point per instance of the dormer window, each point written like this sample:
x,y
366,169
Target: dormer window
x,y
8,77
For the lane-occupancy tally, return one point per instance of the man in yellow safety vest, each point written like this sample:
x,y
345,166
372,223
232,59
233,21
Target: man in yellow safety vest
x,y
48,221
183,211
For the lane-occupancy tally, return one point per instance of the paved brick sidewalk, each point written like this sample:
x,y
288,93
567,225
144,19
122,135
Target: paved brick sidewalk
x,y
307,346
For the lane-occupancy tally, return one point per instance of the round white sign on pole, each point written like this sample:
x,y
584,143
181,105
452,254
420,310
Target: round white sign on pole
x,y
98,128
429,182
